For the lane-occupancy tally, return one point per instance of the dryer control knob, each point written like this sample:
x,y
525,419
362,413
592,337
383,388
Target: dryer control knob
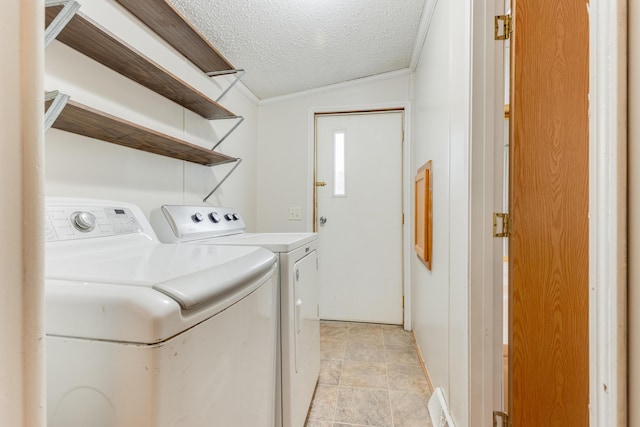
x,y
83,221
228,217
235,216
197,217
214,217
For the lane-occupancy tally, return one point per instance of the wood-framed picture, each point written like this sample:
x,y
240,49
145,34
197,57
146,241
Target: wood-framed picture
x,y
423,230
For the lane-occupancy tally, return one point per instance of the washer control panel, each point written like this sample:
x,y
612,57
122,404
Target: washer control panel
x,y
178,223
78,222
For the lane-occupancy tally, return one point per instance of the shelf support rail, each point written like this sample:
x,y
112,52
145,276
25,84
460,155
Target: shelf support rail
x,y
239,73
59,100
238,161
61,20
229,132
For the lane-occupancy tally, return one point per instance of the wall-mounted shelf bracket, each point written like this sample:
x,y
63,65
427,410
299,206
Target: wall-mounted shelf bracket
x,y
238,161
239,73
229,132
61,20
58,102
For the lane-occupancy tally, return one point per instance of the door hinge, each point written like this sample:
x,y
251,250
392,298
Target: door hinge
x,y
506,225
506,422
403,219
503,27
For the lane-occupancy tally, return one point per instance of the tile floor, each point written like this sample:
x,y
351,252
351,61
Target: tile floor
x,y
369,376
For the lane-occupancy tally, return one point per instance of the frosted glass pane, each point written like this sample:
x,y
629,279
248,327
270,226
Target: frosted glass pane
x,y
339,184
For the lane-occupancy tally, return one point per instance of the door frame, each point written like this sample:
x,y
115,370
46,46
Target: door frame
x,y
607,254
406,184
608,210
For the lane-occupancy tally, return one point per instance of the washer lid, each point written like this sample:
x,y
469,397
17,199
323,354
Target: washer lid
x,y
148,296
190,274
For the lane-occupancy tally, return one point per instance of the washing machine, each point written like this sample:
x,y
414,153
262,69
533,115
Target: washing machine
x,y
299,357
146,334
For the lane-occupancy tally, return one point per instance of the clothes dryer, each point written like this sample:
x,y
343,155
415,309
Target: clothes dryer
x,y
145,334
299,358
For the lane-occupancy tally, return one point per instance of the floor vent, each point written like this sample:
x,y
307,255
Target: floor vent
x,y
439,411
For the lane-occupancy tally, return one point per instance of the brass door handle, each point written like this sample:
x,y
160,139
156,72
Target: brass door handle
x,y
320,183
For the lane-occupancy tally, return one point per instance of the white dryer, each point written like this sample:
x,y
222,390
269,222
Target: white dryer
x,y
146,334
299,313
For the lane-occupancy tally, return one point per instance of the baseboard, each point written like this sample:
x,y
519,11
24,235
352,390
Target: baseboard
x,y
421,360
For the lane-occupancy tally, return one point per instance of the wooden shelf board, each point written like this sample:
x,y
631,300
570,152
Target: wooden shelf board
x,y
87,37
175,29
83,120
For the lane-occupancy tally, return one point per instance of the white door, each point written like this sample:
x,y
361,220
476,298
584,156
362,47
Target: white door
x,y
359,216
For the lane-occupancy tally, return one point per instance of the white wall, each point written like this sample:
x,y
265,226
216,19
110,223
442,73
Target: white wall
x,y
441,100
22,400
285,171
83,167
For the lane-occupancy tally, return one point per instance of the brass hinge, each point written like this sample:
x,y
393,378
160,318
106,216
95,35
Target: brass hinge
x,y
506,422
504,23
403,218
506,225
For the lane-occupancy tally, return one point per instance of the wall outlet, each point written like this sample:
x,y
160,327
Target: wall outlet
x,y
294,214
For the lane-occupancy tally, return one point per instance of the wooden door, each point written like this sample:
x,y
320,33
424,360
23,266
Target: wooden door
x,y
549,182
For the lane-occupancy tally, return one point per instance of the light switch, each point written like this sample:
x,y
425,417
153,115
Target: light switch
x,y
294,214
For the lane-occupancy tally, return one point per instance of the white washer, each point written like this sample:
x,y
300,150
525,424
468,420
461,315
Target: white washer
x,y
146,334
299,313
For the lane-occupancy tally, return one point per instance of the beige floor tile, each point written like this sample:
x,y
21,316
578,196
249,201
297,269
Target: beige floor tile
x,y
409,410
369,376
401,355
332,350
408,378
364,375
336,331
363,407
364,332
313,423
323,404
364,352
395,335
330,371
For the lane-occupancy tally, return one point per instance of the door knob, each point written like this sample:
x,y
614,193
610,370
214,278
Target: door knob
x,y
320,183
323,220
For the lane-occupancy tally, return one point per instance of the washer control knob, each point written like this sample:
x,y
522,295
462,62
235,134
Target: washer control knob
x,y
228,217
214,217
235,216
197,217
83,221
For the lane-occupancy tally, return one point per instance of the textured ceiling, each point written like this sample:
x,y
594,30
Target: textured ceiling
x,y
287,46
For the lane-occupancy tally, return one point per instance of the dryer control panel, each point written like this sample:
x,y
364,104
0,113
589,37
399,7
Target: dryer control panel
x,y
81,222
179,223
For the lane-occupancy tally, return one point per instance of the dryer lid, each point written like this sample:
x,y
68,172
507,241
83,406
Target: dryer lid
x,y
224,280
275,242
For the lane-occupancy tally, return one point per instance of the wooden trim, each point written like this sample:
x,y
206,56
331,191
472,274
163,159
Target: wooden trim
x,y
423,215
421,360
